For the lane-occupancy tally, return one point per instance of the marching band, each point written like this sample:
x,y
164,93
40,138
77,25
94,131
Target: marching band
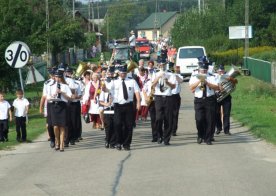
x,y
114,98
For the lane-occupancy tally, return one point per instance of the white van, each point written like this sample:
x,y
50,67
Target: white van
x,y
187,58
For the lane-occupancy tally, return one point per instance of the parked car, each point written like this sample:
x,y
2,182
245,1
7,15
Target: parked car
x,y
187,58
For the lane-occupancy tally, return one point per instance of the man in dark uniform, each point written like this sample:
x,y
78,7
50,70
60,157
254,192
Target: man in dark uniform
x,y
164,83
45,107
203,85
224,107
176,99
122,91
74,108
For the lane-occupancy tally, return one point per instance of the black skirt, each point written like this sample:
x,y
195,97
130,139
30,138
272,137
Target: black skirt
x,y
58,114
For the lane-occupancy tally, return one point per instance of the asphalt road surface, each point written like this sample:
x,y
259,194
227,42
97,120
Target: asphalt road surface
x,y
236,165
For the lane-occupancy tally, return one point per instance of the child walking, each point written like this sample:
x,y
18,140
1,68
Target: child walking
x,y
5,112
21,107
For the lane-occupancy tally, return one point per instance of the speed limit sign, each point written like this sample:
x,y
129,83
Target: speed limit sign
x,y
17,54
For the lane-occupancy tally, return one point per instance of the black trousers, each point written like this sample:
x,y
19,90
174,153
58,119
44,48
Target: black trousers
x,y
176,106
205,116
21,132
152,120
163,108
50,127
74,121
110,136
123,123
4,128
226,105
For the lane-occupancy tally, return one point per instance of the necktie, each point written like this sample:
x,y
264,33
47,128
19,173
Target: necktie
x,y
124,89
59,94
204,90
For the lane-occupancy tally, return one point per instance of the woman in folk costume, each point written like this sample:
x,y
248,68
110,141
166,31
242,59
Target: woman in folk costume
x,y
91,98
142,78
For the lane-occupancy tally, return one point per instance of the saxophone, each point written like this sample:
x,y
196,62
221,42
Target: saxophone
x,y
149,99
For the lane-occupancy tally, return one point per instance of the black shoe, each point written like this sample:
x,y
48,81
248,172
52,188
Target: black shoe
x,y
209,143
126,148
72,143
199,140
61,150
167,143
66,145
160,140
212,139
52,144
118,147
77,140
218,131
80,138
106,145
154,140
174,134
112,146
228,133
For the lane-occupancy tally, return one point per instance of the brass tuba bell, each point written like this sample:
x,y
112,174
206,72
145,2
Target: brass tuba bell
x,y
81,69
131,65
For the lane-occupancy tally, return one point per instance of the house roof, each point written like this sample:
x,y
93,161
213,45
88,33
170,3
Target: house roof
x,y
161,19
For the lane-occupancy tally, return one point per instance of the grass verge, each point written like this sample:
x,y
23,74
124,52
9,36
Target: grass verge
x,y
253,104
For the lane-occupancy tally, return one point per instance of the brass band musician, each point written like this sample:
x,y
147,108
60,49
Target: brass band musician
x,y
224,106
203,85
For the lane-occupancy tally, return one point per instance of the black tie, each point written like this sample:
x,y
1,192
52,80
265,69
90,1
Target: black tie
x,y
124,89
59,94
204,90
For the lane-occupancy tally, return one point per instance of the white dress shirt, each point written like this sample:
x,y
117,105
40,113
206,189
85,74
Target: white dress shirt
x,y
51,91
167,89
198,92
117,90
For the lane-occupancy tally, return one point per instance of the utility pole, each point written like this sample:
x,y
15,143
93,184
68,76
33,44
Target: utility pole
x,y
47,30
199,6
246,21
89,16
73,9
93,18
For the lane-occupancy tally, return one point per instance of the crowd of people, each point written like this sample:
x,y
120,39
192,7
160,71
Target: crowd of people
x,y
113,98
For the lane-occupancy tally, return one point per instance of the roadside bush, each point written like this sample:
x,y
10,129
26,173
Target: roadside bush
x,y
235,56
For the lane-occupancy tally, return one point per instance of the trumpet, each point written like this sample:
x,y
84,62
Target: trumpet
x,y
202,78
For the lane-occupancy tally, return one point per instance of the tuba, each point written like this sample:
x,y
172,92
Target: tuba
x,y
228,86
131,65
81,69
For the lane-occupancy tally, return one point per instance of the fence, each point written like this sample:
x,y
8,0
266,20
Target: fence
x,y
260,69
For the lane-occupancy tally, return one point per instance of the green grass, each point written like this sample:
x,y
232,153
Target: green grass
x,y
254,105
35,127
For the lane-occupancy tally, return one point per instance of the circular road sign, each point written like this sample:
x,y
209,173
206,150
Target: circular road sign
x,y
17,54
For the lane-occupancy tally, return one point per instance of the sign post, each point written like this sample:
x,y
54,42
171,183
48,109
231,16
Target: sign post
x,y
17,55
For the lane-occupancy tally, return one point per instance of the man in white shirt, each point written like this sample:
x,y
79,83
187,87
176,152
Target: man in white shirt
x,y
132,42
164,83
123,90
204,85
176,99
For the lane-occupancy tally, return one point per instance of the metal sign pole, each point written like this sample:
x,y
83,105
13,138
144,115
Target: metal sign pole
x,y
21,81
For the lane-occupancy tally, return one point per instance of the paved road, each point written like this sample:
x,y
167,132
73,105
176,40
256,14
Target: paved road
x,y
235,165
